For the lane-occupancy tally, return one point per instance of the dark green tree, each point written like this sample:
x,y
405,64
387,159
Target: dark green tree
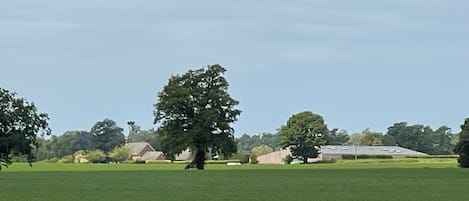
x,y
337,137
195,111
416,137
150,136
462,148
20,123
107,135
304,133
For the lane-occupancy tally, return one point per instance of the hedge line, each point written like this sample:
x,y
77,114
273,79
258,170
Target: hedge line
x,y
434,156
352,157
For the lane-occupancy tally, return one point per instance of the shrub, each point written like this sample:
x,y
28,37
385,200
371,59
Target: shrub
x,y
52,160
158,162
96,156
242,158
352,157
79,152
120,154
434,156
253,159
67,159
221,161
288,159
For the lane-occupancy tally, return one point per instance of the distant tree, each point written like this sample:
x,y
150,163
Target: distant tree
x,y
337,137
462,148
20,123
441,139
107,135
261,150
370,138
195,111
389,140
149,136
96,156
304,133
355,139
422,138
120,154
247,142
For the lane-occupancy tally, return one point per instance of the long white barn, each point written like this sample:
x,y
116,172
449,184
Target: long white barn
x,y
335,152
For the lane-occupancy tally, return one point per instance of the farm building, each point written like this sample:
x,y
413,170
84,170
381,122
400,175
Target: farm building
x,y
144,151
337,152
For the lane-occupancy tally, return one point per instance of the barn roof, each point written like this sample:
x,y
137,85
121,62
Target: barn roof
x,y
369,150
137,147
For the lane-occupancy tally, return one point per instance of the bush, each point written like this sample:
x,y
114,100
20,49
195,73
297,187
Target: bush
x,y
52,160
253,159
242,158
158,162
434,156
120,154
67,159
352,157
79,153
221,161
288,159
96,156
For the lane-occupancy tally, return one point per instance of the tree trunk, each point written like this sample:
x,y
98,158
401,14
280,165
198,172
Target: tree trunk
x,y
305,160
199,160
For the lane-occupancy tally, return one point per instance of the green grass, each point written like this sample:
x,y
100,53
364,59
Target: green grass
x,y
403,180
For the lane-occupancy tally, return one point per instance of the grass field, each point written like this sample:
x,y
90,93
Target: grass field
x,y
398,180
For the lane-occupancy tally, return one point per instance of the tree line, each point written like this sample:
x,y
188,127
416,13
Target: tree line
x,y
195,111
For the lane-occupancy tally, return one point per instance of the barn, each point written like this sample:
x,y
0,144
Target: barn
x,y
338,152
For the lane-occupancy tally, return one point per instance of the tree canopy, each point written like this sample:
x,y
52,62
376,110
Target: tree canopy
x,y
195,111
462,148
20,123
107,135
304,133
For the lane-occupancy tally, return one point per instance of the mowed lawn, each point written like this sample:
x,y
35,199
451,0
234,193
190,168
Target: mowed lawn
x,y
323,182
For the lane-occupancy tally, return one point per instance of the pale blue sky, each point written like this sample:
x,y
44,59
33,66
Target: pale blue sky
x,y
360,64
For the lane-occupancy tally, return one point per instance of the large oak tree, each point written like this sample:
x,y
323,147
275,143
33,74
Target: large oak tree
x,y
20,123
304,133
195,111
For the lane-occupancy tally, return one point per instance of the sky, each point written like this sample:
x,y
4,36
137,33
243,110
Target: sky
x,y
360,64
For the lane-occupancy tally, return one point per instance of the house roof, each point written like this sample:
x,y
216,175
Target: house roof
x,y
369,150
137,147
184,155
152,155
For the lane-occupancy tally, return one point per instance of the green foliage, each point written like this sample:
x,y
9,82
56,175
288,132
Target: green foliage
x,y
247,142
261,150
253,159
120,154
221,162
158,161
107,135
288,159
96,156
20,123
67,159
462,148
195,111
352,157
337,137
422,138
242,158
149,136
304,133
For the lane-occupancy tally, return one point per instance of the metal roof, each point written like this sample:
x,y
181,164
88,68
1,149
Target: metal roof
x,y
369,150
